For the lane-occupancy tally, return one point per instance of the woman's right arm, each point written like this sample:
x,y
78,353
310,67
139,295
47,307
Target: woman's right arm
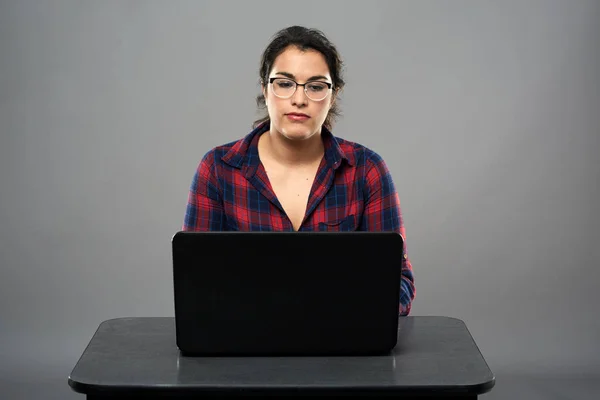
x,y
204,210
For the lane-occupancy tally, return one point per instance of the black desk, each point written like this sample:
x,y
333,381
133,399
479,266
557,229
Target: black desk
x,y
436,357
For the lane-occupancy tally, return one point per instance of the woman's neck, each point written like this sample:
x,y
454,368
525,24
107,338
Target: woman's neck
x,y
291,152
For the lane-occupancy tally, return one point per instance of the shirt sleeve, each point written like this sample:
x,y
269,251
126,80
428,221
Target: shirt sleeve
x,y
383,213
204,210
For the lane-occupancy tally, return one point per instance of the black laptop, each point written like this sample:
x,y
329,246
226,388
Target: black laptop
x,y
286,293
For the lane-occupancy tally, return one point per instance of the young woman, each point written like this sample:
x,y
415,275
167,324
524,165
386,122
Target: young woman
x,y
290,173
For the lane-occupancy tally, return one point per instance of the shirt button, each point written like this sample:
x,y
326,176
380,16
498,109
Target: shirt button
x,y
405,256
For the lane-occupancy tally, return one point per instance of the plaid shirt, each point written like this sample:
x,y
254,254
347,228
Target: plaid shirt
x,y
353,190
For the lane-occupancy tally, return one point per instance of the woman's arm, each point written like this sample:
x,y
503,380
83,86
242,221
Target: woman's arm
x,y
382,213
204,210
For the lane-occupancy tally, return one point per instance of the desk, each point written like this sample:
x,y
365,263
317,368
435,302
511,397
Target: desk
x,y
435,357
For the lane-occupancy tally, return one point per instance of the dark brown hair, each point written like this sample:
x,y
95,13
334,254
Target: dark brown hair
x,y
304,39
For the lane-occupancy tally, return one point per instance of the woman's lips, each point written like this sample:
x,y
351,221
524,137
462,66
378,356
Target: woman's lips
x,y
297,117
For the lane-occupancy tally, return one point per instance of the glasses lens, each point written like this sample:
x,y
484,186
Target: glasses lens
x,y
283,87
316,90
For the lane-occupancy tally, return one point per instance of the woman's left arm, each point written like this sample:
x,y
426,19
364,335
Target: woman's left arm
x,y
382,213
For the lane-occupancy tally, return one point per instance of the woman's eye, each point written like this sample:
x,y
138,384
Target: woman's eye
x,y
316,88
285,85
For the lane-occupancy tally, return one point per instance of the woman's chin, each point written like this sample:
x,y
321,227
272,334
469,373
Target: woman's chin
x,y
297,133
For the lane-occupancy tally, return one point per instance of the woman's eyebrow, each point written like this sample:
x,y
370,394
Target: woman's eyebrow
x,y
291,76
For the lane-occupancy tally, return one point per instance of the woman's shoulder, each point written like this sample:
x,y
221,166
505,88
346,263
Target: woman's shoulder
x,y
227,152
362,154
234,151
220,150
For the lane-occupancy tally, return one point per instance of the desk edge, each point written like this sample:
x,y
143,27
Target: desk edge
x,y
90,388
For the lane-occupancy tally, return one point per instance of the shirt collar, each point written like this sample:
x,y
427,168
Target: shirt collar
x,y
245,151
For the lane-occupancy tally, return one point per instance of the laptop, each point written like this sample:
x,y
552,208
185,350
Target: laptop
x,y
286,293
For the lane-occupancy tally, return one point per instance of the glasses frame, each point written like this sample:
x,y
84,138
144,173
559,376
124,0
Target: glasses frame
x,y
329,85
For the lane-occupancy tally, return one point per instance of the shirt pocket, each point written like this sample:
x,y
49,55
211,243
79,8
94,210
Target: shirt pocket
x,y
346,224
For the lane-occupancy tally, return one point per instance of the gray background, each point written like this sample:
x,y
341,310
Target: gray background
x,y
487,114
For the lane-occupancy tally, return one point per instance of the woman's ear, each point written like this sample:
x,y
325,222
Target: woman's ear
x,y
333,98
264,91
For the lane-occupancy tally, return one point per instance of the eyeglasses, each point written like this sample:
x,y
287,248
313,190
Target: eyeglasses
x,y
285,88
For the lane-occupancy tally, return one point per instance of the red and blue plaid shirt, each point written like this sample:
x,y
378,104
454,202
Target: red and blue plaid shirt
x,y
353,191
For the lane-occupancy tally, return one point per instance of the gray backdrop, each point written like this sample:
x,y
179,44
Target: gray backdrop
x,y
486,112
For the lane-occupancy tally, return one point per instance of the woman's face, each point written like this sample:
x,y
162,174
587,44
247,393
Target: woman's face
x,y
298,117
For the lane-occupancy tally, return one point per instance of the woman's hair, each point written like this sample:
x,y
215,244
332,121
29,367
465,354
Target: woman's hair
x,y
304,39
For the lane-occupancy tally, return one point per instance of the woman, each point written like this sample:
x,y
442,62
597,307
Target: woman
x,y
290,172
